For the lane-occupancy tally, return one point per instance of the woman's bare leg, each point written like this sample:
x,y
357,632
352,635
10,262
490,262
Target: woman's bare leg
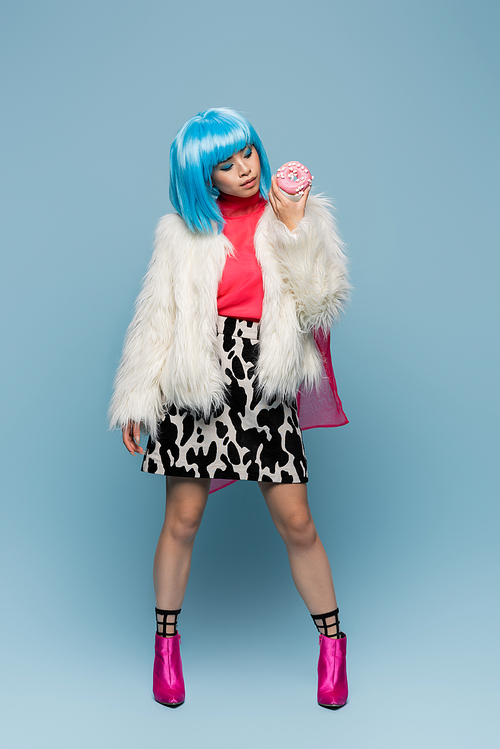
x,y
309,563
185,504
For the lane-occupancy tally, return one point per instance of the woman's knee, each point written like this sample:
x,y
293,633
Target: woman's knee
x,y
183,522
298,529
186,502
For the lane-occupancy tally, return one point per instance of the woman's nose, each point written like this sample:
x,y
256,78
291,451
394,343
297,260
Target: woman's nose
x,y
243,166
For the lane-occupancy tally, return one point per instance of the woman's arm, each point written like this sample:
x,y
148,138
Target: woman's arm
x,y
137,395
311,256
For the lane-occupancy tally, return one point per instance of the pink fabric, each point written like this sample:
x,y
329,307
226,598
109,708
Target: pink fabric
x,y
241,290
321,407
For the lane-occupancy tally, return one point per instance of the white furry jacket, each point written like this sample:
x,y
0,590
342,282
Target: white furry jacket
x,y
171,353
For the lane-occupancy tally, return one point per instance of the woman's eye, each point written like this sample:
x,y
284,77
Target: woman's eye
x,y
248,153
226,168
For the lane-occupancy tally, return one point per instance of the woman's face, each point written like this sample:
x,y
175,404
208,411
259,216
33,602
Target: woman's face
x,y
239,175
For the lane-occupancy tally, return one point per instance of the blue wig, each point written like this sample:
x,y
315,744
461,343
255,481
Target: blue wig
x,y
203,142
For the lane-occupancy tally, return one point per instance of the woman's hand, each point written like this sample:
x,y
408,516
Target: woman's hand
x,y
287,211
131,436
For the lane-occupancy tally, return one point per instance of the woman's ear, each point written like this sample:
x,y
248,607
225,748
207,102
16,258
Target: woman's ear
x,y
213,191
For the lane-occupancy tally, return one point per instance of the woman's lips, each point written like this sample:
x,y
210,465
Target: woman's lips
x,y
250,182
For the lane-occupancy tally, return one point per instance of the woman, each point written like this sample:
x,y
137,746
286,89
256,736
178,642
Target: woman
x,y
232,322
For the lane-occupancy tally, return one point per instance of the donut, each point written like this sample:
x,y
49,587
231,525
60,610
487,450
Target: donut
x,y
293,178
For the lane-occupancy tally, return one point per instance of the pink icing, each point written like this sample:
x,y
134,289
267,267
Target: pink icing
x,y
293,178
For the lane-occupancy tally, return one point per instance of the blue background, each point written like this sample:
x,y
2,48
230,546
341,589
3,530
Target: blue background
x,y
394,107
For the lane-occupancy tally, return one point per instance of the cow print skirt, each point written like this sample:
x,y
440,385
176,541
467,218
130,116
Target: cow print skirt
x,y
247,439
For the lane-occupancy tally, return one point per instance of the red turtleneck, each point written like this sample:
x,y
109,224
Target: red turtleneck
x,y
241,291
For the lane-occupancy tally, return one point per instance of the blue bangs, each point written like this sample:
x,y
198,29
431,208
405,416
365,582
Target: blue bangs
x,y
203,142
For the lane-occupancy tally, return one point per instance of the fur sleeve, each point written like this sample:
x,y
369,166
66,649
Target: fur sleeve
x,y
313,265
137,392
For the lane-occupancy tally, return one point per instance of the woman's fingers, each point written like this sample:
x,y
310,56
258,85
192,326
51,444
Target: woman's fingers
x,y
304,197
127,440
287,211
131,437
278,195
137,437
276,198
274,205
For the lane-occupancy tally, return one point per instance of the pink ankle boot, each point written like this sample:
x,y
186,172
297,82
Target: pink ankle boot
x,y
332,673
168,682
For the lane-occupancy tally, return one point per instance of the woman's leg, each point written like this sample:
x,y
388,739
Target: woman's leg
x,y
186,501
185,504
309,563
312,576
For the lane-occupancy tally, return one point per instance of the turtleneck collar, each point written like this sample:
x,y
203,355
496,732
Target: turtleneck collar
x,y
233,207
